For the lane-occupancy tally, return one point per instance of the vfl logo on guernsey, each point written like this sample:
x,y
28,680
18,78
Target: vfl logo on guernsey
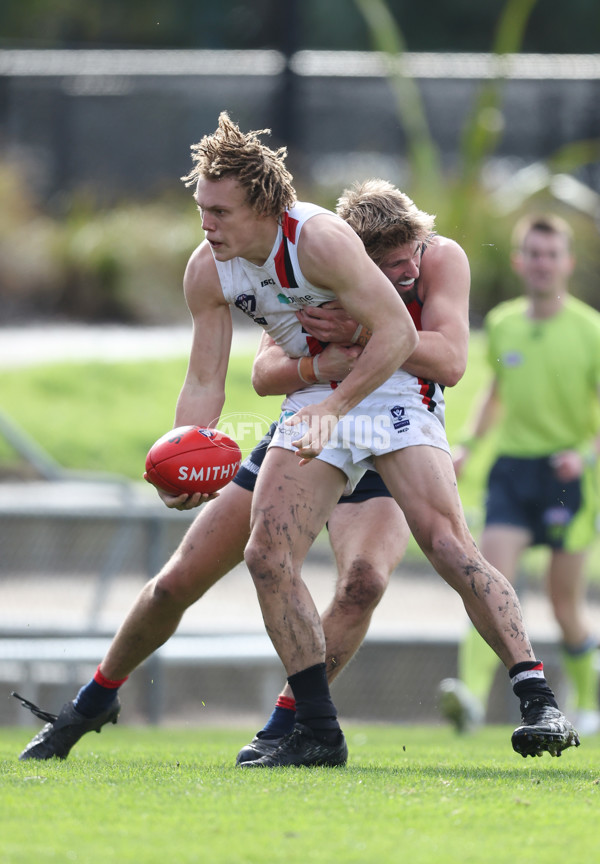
x,y
246,303
399,419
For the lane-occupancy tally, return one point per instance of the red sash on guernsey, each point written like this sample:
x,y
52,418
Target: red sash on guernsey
x,y
283,264
427,388
287,277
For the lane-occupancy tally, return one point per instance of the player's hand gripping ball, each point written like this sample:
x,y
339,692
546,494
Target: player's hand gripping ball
x,y
192,459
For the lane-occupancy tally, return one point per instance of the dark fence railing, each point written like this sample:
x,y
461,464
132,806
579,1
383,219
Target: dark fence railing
x,y
122,121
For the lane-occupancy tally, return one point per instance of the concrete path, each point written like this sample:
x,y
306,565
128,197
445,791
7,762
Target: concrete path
x,y
31,345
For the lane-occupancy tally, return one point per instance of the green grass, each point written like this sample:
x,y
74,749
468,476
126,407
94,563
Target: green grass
x,y
418,795
104,417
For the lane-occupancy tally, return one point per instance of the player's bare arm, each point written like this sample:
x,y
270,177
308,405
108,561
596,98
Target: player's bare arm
x,y
333,257
570,464
274,372
202,395
444,283
329,323
203,392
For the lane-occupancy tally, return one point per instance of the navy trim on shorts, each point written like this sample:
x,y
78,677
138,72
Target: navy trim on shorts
x,y
370,485
248,470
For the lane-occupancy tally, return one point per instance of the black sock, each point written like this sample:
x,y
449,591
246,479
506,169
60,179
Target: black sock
x,y
314,707
528,682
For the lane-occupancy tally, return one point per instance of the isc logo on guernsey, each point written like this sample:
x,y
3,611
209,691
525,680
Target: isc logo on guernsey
x,y
208,472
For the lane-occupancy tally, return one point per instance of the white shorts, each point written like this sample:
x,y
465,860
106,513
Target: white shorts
x,y
403,412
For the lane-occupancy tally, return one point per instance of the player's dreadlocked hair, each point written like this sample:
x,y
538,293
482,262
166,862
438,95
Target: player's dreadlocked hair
x,y
261,172
383,217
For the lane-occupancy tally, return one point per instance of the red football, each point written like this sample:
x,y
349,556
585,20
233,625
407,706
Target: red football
x,y
192,459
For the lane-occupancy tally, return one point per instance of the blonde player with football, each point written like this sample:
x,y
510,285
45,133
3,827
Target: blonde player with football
x,y
272,256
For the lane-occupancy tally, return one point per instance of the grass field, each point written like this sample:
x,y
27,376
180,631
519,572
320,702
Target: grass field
x,y
415,795
104,417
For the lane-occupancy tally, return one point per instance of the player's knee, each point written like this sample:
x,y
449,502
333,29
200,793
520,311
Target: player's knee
x,y
449,543
162,592
363,587
270,567
172,587
258,561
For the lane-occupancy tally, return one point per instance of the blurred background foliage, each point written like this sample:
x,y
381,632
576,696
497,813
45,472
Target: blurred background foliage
x,y
469,205
74,258
119,264
125,263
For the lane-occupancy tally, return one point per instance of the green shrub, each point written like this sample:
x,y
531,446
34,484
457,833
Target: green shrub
x,y
121,264
127,263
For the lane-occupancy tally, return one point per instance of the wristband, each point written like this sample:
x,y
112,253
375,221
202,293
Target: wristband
x,y
356,334
363,337
306,370
320,378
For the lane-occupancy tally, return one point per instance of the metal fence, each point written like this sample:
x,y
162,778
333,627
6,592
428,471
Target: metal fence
x,y
75,556
123,121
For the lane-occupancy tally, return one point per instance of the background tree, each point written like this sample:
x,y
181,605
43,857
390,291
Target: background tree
x,y
480,217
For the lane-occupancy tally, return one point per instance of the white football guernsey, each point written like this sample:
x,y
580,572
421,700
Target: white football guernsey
x,y
270,294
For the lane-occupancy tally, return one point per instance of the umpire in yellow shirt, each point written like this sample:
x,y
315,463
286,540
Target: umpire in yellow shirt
x,y
544,350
